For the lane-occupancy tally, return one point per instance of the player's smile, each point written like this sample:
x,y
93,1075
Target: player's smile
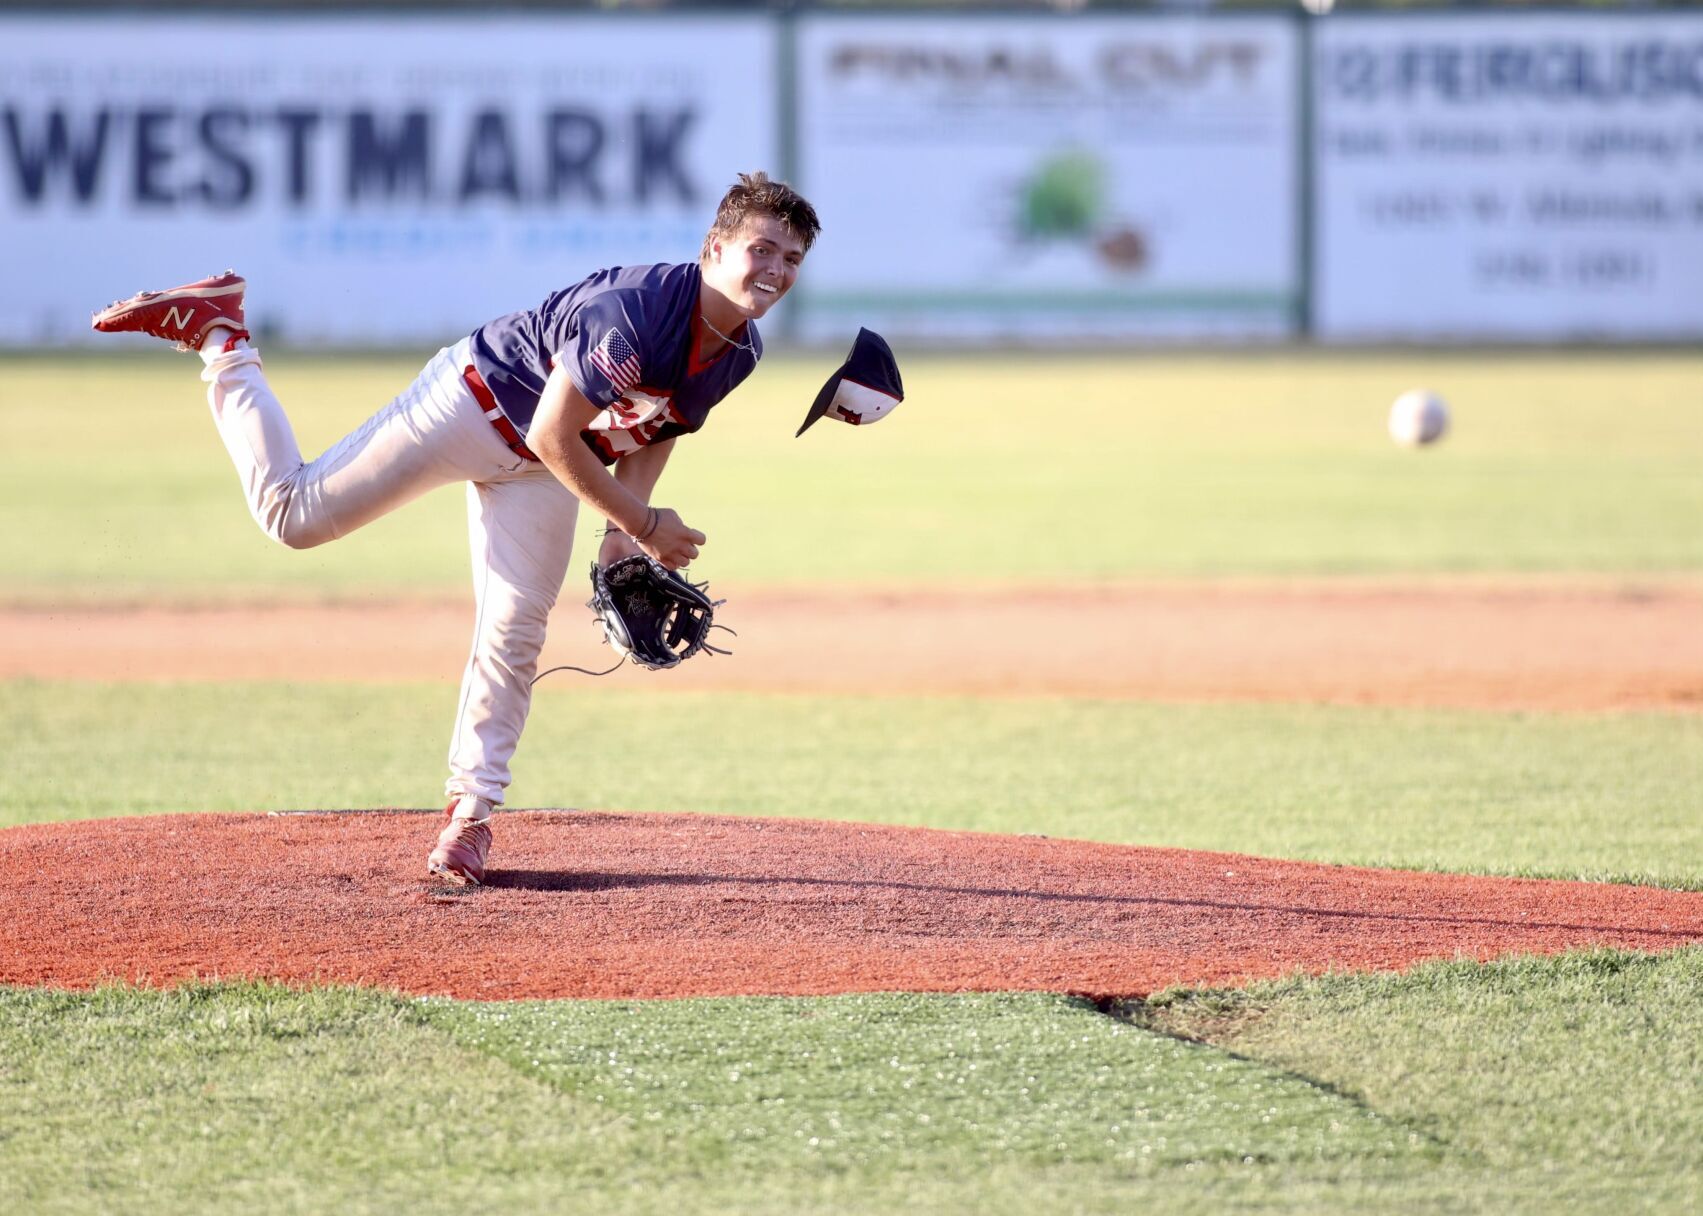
x,y
764,293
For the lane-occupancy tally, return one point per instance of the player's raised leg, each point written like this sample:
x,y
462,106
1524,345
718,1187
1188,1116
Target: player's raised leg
x,y
433,434
521,529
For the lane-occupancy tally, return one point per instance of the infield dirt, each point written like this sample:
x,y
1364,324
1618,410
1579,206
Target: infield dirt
x,y
1507,644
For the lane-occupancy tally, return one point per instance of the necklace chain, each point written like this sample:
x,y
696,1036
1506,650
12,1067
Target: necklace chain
x,y
741,345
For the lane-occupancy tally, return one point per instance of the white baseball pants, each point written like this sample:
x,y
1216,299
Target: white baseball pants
x,y
520,522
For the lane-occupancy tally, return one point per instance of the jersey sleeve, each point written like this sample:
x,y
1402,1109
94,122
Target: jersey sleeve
x,y
606,349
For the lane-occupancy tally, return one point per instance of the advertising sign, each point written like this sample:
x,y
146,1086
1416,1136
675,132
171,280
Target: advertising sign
x,y
1046,179
1509,177
377,180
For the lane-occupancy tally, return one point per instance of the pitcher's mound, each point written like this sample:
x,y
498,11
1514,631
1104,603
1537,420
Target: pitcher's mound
x,y
602,905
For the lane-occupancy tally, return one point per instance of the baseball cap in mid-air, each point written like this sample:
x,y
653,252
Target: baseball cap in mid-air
x,y
866,387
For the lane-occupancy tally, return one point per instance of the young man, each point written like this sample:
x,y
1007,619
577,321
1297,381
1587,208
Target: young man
x,y
578,400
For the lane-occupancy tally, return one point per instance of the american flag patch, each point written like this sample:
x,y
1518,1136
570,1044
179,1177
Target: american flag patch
x,y
617,360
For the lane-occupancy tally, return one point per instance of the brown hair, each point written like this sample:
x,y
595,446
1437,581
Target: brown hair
x,y
755,194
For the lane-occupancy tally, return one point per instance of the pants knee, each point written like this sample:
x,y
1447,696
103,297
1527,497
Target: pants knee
x,y
293,532
300,540
280,516
516,619
523,622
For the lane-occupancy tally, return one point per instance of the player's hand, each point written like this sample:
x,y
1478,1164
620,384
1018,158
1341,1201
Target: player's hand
x,y
670,541
616,545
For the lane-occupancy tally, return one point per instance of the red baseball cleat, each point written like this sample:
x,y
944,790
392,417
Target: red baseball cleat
x,y
462,848
180,314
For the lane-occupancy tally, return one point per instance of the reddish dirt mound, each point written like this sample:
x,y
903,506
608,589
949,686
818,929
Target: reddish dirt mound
x,y
597,905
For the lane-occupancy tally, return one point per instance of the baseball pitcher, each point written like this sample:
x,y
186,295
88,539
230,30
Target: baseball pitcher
x,y
578,400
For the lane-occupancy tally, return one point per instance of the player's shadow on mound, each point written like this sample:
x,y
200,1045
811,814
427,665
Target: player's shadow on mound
x,y
590,880
576,880
593,880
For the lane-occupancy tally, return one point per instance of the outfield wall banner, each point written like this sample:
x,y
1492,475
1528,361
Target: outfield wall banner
x,y
1509,177
1044,179
378,179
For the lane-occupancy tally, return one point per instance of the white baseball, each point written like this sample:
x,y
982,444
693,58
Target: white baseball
x,y
1418,417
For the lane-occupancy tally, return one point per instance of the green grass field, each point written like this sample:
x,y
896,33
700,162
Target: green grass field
x,y
1523,1086
991,470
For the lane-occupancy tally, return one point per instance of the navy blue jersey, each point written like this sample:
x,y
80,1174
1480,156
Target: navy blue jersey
x,y
628,336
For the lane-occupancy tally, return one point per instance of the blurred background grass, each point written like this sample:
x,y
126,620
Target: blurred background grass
x,y
996,468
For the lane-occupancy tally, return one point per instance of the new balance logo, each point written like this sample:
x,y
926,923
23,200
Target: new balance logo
x,y
176,321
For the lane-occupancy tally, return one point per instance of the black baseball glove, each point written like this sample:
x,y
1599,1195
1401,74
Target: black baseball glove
x,y
650,614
